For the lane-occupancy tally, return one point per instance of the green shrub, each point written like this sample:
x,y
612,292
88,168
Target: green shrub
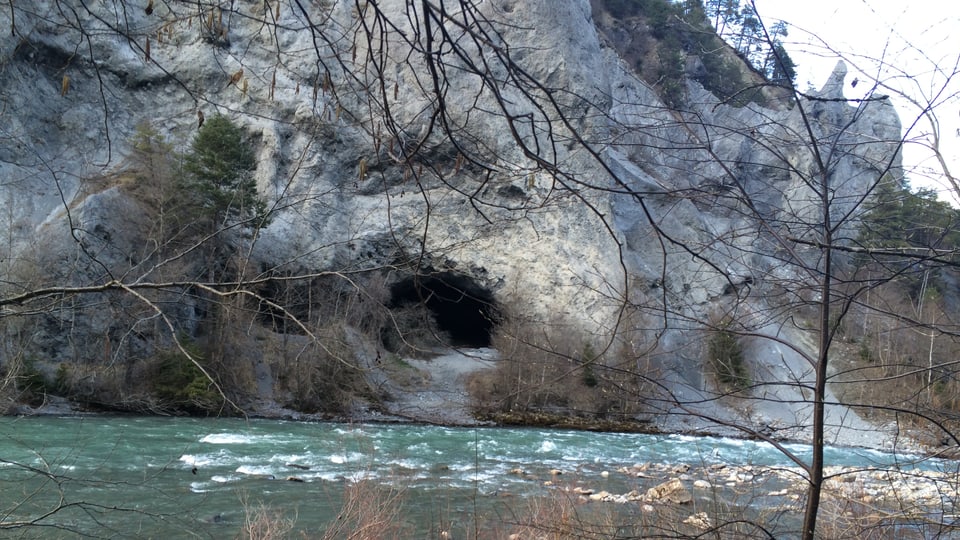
x,y
31,380
672,81
25,382
181,385
61,381
726,358
588,376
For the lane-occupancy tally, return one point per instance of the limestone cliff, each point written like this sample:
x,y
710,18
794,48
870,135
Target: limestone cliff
x,y
537,166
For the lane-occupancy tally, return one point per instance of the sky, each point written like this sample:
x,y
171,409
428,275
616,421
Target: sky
x,y
912,46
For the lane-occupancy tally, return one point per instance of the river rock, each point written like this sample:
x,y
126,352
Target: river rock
x,y
699,520
638,470
672,491
601,496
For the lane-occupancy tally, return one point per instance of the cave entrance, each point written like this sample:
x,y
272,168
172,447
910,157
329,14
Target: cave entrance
x,y
462,309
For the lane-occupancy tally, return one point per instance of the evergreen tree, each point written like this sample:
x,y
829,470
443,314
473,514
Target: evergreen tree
x,y
750,38
905,218
780,68
722,13
219,171
740,26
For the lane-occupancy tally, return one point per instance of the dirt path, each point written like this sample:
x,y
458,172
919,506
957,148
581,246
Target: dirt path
x,y
441,397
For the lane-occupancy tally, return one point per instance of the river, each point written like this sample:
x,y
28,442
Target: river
x,y
184,477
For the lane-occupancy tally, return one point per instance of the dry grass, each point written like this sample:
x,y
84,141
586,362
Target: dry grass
x,y
262,522
370,511
561,515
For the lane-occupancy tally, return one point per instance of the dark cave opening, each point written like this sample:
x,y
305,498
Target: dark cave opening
x,y
464,310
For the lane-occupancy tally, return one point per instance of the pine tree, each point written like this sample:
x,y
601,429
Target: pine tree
x,y
219,175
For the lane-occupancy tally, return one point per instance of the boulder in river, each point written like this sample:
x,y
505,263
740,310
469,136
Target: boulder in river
x,y
672,491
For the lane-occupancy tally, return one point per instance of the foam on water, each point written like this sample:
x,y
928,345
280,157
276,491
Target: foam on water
x,y
547,446
222,479
219,458
300,459
256,471
198,487
406,463
230,438
327,476
352,457
422,447
200,461
448,464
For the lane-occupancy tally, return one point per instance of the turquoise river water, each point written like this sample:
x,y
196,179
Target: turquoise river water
x,y
147,477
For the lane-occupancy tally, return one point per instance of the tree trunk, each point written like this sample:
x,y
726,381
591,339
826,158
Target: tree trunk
x,y
820,383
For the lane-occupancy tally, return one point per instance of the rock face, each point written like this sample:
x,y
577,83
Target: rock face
x,y
536,164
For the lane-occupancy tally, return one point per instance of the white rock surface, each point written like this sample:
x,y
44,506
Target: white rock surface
x,y
528,234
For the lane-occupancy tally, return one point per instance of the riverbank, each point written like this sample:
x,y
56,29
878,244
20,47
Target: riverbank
x,y
434,391
912,501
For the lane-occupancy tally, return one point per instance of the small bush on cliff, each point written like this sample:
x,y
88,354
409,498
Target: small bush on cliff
x,y
726,357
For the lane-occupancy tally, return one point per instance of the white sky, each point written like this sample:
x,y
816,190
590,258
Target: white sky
x,y
911,45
